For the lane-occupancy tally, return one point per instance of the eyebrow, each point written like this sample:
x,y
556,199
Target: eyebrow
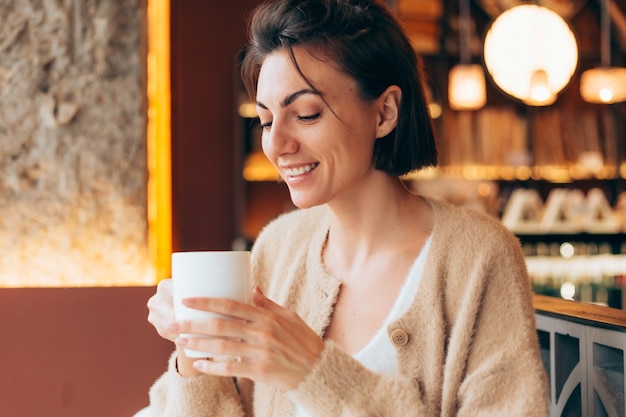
x,y
292,97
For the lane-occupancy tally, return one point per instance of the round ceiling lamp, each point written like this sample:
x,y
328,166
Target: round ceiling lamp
x,y
531,53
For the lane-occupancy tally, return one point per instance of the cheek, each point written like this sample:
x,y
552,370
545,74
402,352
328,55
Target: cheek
x,y
266,148
364,136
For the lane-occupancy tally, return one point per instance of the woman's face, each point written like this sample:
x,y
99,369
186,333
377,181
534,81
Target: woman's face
x,y
319,139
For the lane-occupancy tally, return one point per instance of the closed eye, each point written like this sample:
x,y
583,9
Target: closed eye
x,y
265,126
309,118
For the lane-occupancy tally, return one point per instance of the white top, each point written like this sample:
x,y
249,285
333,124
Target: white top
x,y
379,355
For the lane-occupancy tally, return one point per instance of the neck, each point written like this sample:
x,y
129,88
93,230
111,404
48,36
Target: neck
x,y
387,217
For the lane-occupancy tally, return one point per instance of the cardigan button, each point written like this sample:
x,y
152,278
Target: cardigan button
x,y
399,337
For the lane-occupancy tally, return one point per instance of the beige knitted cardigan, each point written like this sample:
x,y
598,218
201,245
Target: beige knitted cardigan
x,y
469,347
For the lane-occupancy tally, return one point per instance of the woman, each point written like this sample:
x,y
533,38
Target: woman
x,y
379,302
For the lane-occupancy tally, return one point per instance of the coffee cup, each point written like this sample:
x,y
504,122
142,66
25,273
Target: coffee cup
x,y
215,274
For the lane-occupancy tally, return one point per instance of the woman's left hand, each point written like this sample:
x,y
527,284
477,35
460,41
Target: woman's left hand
x,y
272,344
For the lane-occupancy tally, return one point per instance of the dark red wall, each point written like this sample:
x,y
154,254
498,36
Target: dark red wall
x,y
90,352
77,352
206,143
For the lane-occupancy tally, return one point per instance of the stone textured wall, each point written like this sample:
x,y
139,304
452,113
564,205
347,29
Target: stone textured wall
x,y
73,174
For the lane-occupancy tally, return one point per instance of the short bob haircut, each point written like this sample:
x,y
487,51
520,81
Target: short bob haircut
x,y
367,43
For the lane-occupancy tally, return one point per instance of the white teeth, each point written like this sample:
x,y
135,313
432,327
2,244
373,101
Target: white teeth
x,y
294,172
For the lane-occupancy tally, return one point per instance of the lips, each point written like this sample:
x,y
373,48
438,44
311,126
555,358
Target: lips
x,y
297,171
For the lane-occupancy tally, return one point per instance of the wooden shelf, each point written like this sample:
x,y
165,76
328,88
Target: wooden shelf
x,y
614,240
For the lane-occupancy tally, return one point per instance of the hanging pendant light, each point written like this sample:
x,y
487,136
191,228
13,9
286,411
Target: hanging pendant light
x,y
466,82
466,87
531,53
604,84
540,93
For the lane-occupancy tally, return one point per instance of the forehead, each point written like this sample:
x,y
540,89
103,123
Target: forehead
x,y
279,74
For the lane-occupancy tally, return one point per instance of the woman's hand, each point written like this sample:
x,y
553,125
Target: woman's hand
x,y
161,316
161,310
273,345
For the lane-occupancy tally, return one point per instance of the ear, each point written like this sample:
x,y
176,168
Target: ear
x,y
389,107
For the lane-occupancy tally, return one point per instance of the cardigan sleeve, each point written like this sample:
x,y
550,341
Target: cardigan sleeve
x,y
173,395
341,386
504,373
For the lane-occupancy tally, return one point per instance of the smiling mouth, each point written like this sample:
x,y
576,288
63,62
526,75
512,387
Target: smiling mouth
x,y
296,172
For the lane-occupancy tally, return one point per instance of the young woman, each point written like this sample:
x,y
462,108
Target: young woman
x,y
368,300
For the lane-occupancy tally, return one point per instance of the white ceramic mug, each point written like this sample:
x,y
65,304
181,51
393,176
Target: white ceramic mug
x,y
216,274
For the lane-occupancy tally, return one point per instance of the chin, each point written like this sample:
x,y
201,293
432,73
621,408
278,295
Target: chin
x,y
304,203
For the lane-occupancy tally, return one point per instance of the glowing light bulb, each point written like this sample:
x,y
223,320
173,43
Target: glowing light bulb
x,y
567,250
606,95
568,290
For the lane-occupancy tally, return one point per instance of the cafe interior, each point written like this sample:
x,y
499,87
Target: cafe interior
x,y
126,135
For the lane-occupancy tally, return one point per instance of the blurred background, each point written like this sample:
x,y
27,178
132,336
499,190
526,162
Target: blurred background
x,y
125,134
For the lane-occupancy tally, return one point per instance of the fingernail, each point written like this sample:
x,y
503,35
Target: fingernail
x,y
181,341
189,301
198,365
172,327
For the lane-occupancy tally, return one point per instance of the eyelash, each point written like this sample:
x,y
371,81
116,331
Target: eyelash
x,y
311,118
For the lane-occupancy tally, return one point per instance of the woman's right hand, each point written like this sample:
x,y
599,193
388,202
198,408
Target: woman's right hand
x,y
161,316
161,310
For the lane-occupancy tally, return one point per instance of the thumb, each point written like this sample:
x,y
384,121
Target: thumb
x,y
260,300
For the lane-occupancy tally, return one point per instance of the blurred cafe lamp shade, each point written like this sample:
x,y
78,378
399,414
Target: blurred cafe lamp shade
x,y
466,87
604,84
466,82
531,53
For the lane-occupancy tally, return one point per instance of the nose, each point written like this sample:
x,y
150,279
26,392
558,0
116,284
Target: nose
x,y
279,140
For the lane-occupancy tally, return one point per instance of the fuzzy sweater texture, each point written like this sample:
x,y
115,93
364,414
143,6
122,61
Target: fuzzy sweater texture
x,y
468,345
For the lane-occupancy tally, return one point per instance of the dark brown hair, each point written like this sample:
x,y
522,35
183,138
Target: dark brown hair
x,y
366,42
